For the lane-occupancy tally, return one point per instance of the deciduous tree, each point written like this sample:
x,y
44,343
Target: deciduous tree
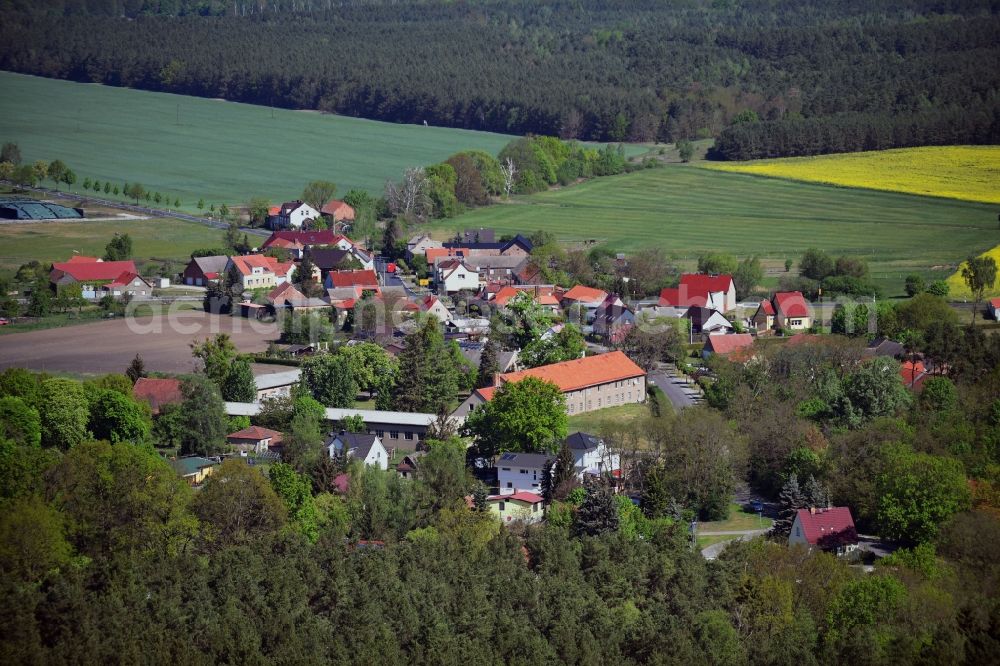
x,y
529,415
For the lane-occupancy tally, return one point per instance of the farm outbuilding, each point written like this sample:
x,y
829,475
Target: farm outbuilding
x,y
30,209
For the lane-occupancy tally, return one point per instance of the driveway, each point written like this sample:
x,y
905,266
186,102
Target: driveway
x,y
713,551
676,388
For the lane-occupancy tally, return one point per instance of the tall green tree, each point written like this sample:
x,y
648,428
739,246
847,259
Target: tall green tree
x,y
296,491
136,369
239,384
489,363
117,418
119,248
329,379
217,355
980,274
19,422
427,376
237,505
64,413
202,417
598,513
529,415
318,193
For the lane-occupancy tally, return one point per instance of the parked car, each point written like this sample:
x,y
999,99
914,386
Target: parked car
x,y
755,506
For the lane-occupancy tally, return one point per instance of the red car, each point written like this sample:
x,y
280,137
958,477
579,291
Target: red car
x,y
4,322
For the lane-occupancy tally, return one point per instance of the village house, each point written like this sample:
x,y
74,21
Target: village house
x,y
327,260
338,212
706,322
791,312
202,270
130,284
365,447
517,472
297,242
341,285
592,456
408,467
158,392
291,215
717,292
277,384
453,275
194,469
519,246
480,235
827,529
543,295
580,303
418,245
736,346
994,308
498,267
90,273
762,320
255,439
256,271
432,305
523,506
472,350
593,382
612,320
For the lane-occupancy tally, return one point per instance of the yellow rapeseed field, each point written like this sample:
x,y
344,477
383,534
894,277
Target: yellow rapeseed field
x,y
971,173
957,287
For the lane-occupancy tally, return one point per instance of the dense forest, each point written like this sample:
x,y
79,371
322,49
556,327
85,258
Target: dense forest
x,y
769,77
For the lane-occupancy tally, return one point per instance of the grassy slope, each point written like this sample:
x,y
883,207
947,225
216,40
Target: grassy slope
x,y
687,210
56,241
221,151
970,173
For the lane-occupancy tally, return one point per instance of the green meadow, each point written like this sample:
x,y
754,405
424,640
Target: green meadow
x,y
192,148
688,211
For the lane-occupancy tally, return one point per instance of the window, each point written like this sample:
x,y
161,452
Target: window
x,y
380,433
393,434
509,485
524,471
796,322
797,533
408,436
501,506
505,469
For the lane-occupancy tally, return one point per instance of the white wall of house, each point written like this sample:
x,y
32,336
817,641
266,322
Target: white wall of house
x,y
460,278
596,461
301,215
515,477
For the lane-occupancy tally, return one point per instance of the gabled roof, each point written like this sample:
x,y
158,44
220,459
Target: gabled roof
x,y
245,264
363,278
518,240
211,265
995,302
82,269
190,465
256,433
767,308
432,254
158,392
303,238
519,496
357,444
694,289
541,295
885,347
536,460
582,372
290,206
828,528
82,259
328,258
727,344
699,316
583,294
583,441
451,265
284,292
338,209
791,304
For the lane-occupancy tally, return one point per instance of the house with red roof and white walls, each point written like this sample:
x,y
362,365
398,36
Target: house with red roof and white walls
x,y
786,311
830,529
994,307
453,275
717,292
291,215
257,271
90,273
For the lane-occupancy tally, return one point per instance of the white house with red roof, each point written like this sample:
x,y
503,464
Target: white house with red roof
x,y
129,283
827,529
90,273
291,214
717,292
791,311
454,275
256,271
432,305
523,506
585,299
994,308
296,242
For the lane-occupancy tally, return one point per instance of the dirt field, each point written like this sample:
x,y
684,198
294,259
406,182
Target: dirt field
x,y
108,346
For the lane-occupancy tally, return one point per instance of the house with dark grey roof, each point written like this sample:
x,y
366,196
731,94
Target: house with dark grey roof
x,y
361,446
522,471
202,270
592,456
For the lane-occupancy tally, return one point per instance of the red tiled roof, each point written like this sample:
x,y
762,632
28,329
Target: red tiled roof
x,y
338,210
365,278
727,344
322,237
699,283
245,265
995,302
580,373
791,304
158,392
521,495
433,253
256,433
545,296
124,279
913,374
586,294
274,210
828,528
284,292
767,307
81,259
94,270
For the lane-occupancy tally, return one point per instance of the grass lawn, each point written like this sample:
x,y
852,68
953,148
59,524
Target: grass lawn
x,y
223,152
739,520
162,238
687,210
706,541
592,421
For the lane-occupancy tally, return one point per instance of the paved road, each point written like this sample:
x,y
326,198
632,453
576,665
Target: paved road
x,y
713,551
680,393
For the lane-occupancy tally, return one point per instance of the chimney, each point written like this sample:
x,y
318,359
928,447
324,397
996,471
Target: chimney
x,y
812,510
496,379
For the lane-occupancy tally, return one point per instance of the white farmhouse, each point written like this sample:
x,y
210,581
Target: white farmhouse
x,y
362,446
592,456
522,472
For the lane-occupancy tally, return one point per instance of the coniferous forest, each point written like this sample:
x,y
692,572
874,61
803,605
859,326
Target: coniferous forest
x,y
766,77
